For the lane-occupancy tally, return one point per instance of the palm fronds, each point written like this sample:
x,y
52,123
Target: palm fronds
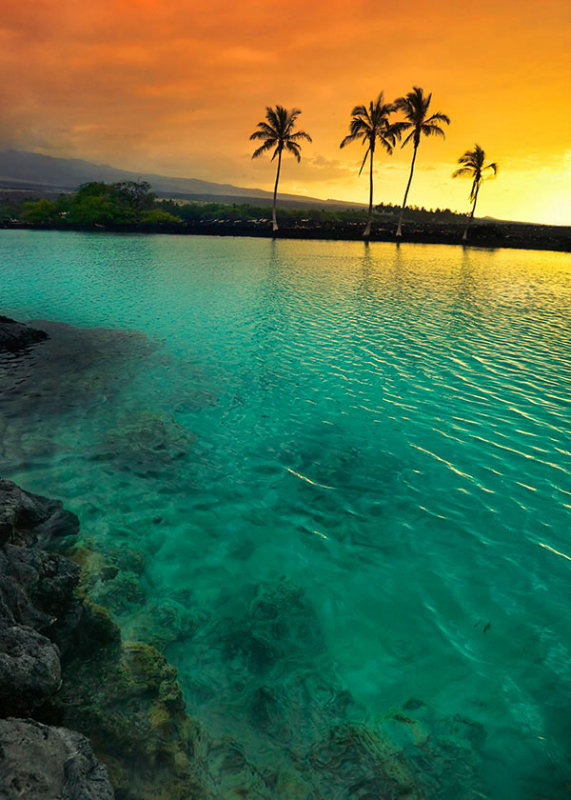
x,y
414,107
277,133
371,125
474,166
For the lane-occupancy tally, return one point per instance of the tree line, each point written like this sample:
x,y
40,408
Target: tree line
x,y
372,125
133,204
94,203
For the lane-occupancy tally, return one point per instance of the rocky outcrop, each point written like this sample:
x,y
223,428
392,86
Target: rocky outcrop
x,y
36,593
15,336
128,700
27,518
38,609
38,762
63,663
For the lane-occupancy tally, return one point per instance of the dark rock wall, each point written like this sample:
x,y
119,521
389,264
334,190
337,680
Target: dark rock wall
x,y
62,662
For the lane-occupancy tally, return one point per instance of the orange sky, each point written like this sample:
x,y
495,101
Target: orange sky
x,y
177,86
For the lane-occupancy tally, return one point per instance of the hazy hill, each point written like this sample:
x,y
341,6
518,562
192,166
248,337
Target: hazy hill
x,y
21,170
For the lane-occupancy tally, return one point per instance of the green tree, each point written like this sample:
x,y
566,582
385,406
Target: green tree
x,y
158,216
278,132
95,209
474,166
123,203
415,106
40,212
136,195
371,125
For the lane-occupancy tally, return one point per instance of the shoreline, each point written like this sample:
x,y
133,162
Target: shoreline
x,y
520,236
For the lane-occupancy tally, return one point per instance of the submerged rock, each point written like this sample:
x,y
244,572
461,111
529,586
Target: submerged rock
x,y
145,444
73,369
162,624
355,762
38,762
16,335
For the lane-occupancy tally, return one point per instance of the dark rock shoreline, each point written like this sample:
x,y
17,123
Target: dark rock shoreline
x,y
15,336
36,600
63,664
524,236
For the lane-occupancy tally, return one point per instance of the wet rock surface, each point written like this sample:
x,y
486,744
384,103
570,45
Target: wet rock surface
x,y
38,762
36,590
62,661
16,336
27,518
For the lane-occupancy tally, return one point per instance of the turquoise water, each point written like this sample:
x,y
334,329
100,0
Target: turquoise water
x,y
347,468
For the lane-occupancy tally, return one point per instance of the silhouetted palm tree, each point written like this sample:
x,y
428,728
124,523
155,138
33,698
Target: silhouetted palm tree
x,y
415,105
371,125
278,132
474,166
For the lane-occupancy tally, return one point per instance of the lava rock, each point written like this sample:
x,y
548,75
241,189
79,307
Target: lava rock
x,y
26,518
15,335
38,762
30,670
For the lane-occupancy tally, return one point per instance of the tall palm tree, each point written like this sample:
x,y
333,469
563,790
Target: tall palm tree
x,y
415,105
474,166
371,125
278,132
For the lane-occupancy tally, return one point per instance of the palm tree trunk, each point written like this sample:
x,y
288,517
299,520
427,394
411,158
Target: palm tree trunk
x,y
399,228
367,231
274,220
465,234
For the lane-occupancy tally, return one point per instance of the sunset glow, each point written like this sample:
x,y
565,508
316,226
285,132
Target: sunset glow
x,y
177,88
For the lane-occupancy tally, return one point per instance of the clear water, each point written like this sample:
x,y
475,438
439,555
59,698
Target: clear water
x,y
371,442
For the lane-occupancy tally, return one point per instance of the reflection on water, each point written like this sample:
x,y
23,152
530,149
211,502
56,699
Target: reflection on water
x,y
343,471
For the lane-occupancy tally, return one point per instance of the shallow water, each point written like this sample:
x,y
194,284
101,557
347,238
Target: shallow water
x,y
347,468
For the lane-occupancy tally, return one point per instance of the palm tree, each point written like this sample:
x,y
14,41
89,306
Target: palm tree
x,y
474,166
278,132
415,108
371,125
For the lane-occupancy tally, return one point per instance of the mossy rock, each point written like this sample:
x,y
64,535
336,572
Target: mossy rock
x,y
127,699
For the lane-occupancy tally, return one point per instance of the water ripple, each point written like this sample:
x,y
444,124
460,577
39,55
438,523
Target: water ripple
x,y
388,428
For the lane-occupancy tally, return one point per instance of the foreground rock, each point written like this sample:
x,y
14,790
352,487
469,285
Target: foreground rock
x,y
15,336
38,762
36,591
63,663
27,518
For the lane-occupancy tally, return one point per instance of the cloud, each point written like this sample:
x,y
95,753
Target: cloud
x,y
140,83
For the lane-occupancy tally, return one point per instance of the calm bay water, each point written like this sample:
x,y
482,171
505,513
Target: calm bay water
x,y
347,468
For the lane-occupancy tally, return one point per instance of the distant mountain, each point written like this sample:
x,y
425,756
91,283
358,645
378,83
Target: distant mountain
x,y
22,170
